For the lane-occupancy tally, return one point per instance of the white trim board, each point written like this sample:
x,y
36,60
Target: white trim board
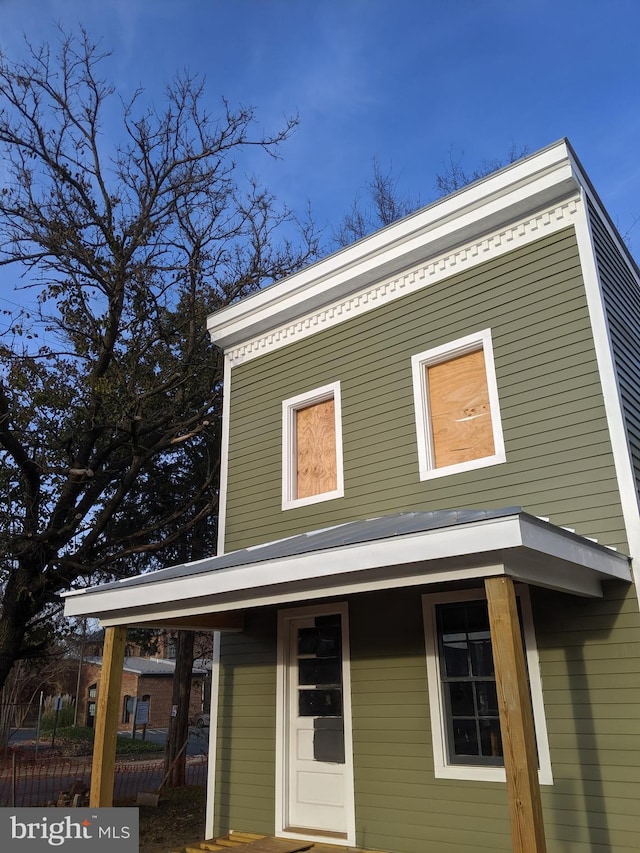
x,y
478,341
224,455
210,816
290,407
608,378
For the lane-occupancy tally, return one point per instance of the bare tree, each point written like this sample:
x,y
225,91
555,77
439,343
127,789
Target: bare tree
x,y
454,177
108,382
382,205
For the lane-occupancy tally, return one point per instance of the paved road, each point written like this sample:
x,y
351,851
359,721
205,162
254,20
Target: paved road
x,y
198,739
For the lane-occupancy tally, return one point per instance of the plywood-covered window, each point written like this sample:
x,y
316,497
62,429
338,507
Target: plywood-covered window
x,y
457,410
312,447
316,449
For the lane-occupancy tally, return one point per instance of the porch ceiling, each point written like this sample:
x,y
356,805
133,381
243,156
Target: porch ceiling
x,y
408,549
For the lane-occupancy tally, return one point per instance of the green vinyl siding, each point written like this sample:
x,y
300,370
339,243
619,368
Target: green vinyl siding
x,y
559,461
400,805
590,664
245,756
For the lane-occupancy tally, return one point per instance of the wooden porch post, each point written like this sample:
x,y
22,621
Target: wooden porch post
x,y
213,737
516,718
107,711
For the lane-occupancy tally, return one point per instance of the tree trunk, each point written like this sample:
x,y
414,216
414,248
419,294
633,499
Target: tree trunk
x,y
178,733
16,612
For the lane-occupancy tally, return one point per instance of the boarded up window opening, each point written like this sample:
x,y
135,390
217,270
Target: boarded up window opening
x,y
312,469
315,449
459,409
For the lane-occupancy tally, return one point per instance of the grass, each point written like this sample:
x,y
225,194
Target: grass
x,y
78,740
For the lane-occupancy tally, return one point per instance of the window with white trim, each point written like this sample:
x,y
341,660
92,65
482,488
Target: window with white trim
x,y
465,722
312,468
456,403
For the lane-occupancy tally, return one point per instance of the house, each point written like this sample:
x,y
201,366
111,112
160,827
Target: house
x,y
429,632
146,691
146,685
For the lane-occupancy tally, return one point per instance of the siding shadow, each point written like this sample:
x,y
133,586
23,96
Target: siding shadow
x,y
578,640
245,763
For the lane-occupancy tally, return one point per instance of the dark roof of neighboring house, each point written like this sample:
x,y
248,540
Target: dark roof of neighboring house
x,y
148,666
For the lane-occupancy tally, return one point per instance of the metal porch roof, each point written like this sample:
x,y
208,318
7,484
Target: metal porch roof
x,y
397,550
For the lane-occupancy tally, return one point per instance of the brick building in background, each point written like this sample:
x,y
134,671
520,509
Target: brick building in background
x,y
147,677
147,680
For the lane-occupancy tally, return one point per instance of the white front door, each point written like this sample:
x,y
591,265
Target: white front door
x,y
318,776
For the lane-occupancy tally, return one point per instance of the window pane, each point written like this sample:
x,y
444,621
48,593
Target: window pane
x,y
452,629
461,699
481,657
329,641
320,703
459,409
487,698
308,639
490,739
452,619
477,619
456,659
316,470
465,737
319,671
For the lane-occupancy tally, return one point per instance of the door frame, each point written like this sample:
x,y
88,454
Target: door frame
x,y
282,740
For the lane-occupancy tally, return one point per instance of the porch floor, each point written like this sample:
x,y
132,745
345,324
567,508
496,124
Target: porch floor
x,y
246,842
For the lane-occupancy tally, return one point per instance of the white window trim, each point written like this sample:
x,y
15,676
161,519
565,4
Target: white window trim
x,y
470,343
289,409
442,768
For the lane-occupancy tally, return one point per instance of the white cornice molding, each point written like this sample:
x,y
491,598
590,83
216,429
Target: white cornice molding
x,y
469,221
464,257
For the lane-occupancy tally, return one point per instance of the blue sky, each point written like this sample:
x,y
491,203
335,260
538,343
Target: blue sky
x,y
404,81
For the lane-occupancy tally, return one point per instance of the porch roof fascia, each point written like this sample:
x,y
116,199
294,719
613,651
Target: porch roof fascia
x,y
514,543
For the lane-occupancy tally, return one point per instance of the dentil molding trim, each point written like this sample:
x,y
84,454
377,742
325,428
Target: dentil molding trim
x,y
435,270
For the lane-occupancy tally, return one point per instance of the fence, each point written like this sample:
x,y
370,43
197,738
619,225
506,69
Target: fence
x,y
26,782
16,714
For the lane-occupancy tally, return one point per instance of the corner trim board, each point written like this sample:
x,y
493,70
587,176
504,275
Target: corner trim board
x,y
610,391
